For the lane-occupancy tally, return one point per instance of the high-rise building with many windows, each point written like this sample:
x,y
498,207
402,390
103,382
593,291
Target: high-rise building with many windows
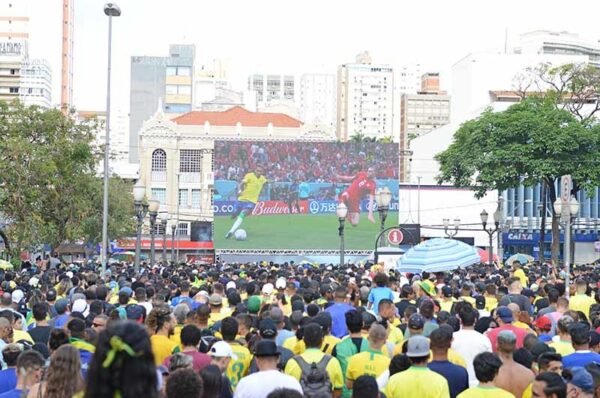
x,y
365,100
318,98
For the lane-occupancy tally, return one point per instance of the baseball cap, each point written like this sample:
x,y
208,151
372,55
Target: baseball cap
x,y
505,314
134,312
280,283
221,350
267,288
81,305
126,290
418,346
428,288
543,323
253,304
266,348
215,299
17,296
416,321
61,305
230,285
267,329
480,302
582,378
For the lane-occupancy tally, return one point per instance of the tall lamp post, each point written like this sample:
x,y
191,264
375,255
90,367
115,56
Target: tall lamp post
x,y
173,229
448,233
383,197
490,231
153,206
111,10
567,211
164,219
342,212
141,209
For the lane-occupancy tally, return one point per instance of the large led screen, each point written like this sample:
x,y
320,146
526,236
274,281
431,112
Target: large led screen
x,y
284,195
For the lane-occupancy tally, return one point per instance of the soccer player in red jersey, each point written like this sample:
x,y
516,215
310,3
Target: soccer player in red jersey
x,y
362,184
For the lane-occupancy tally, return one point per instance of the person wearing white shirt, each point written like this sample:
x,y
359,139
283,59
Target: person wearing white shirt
x,y
468,342
268,378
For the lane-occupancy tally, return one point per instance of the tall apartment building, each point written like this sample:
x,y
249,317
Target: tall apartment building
x,y
22,78
408,78
318,98
272,88
421,113
365,100
155,78
14,21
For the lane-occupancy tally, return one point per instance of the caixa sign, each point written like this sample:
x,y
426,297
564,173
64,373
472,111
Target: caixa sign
x,y
520,236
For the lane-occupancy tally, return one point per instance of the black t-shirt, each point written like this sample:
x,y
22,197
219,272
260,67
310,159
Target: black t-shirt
x,y
41,334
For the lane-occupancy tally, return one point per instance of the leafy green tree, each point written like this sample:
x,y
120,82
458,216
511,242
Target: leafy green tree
x,y
49,190
531,141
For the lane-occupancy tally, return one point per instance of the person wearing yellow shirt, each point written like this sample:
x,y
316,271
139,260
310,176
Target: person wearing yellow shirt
x,y
447,301
563,344
486,367
161,323
249,191
313,337
491,301
238,367
372,361
387,312
581,301
418,380
215,302
519,273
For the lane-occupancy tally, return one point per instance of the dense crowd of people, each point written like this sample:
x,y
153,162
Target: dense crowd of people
x,y
312,162
288,330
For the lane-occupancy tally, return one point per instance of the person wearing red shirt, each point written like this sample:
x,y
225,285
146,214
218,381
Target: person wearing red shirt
x,y
362,184
504,318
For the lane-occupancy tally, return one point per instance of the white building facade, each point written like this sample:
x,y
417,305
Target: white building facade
x,y
318,98
365,101
272,88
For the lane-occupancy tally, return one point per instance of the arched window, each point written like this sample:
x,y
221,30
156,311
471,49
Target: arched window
x,y
159,165
159,160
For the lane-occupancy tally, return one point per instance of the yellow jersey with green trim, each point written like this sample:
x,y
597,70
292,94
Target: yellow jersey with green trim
x,y
417,381
238,368
162,347
370,363
252,188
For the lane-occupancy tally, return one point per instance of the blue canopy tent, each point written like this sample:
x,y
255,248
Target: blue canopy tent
x,y
438,255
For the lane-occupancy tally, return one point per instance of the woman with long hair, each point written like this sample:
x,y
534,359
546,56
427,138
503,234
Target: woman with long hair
x,y
123,365
63,377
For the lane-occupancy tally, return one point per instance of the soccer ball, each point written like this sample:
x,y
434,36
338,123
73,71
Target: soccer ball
x,y
240,234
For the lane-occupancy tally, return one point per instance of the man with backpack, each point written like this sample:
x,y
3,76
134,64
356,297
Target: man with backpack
x,y
320,374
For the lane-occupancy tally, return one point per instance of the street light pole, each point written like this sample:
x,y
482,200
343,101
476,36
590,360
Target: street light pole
x,y
383,197
153,207
139,192
164,218
567,210
490,231
111,10
342,212
173,228
446,222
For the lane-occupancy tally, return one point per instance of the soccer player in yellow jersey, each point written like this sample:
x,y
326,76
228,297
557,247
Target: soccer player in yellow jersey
x,y
486,367
248,193
371,362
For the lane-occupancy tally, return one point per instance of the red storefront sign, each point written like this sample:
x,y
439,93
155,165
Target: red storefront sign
x,y
129,244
